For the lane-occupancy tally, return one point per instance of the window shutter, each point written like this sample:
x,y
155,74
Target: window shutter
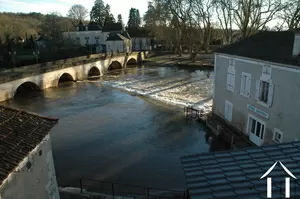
x,y
248,85
228,79
226,110
243,81
270,94
257,87
233,79
230,112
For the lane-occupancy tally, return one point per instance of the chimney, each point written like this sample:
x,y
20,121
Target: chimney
x,y
296,48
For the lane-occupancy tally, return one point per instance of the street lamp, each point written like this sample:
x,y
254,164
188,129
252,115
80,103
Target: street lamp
x,y
36,54
13,54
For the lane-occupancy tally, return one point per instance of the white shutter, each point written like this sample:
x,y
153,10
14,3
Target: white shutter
x,y
230,111
248,85
226,111
257,87
243,81
270,94
233,79
228,80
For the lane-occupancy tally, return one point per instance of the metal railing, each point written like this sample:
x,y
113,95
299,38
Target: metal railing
x,y
133,191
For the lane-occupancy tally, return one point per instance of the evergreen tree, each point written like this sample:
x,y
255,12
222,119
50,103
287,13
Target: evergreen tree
x,y
98,13
109,17
134,20
120,19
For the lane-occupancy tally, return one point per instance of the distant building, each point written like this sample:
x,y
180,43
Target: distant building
x,y
256,90
94,35
141,39
118,43
26,162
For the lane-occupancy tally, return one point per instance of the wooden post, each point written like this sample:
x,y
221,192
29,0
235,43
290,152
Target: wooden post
x,y
80,185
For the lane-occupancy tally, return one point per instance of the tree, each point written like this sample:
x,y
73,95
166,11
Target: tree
x,y
52,25
225,16
98,13
252,16
134,20
109,17
290,15
77,13
203,11
120,19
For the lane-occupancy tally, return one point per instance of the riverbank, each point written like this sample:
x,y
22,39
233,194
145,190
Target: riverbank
x,y
202,60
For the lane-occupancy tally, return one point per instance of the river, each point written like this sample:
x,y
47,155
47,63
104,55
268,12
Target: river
x,y
108,131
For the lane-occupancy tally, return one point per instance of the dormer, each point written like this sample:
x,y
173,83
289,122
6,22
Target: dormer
x,y
296,48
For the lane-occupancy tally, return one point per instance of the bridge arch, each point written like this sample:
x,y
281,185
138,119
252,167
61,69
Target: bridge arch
x,y
114,65
93,72
131,62
26,88
65,77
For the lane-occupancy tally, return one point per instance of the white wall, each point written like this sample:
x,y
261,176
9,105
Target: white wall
x,y
115,46
37,182
83,34
141,43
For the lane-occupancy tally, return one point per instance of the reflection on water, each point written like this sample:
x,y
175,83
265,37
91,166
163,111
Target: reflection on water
x,y
108,134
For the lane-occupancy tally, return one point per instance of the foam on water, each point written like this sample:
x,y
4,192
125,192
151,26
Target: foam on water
x,y
179,88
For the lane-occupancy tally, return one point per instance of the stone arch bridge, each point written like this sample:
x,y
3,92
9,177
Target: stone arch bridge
x,y
43,77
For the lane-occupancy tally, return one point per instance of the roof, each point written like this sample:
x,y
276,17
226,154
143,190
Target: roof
x,y
116,37
267,45
138,32
126,34
20,133
113,27
236,174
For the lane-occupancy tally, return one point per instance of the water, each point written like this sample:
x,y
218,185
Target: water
x,y
107,133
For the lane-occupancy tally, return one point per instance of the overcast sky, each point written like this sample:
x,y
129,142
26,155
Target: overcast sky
x,y
46,6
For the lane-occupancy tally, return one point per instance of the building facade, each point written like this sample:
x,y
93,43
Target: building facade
x,y
26,161
141,43
260,97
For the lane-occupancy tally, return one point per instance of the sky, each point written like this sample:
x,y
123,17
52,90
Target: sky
x,y
62,6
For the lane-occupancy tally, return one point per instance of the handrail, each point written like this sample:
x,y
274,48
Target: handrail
x,y
113,185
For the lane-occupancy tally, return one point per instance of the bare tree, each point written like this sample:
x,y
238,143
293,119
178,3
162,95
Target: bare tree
x,y
180,10
203,11
253,15
290,15
77,13
224,10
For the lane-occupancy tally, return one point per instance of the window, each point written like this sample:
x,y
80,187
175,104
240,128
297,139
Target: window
x,y
97,41
264,92
228,111
230,78
277,136
256,130
245,84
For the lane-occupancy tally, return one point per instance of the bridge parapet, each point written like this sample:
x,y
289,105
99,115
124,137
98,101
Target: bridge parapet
x,y
8,75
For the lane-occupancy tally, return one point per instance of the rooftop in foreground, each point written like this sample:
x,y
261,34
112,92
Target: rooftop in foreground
x,y
273,46
20,133
236,174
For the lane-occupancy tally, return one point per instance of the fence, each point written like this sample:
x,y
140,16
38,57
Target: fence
x,y
125,190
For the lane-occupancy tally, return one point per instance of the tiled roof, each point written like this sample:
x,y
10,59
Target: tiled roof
x,y
113,27
20,133
116,37
236,174
267,45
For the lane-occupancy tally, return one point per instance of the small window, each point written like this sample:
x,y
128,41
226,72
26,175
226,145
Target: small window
x,y
228,111
264,92
245,84
231,62
97,41
277,136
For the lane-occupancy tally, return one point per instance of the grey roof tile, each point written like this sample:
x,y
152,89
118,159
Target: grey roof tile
x,y
237,173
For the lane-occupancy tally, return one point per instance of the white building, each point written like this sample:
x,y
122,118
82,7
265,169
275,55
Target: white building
x,y
26,162
257,92
118,43
141,39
